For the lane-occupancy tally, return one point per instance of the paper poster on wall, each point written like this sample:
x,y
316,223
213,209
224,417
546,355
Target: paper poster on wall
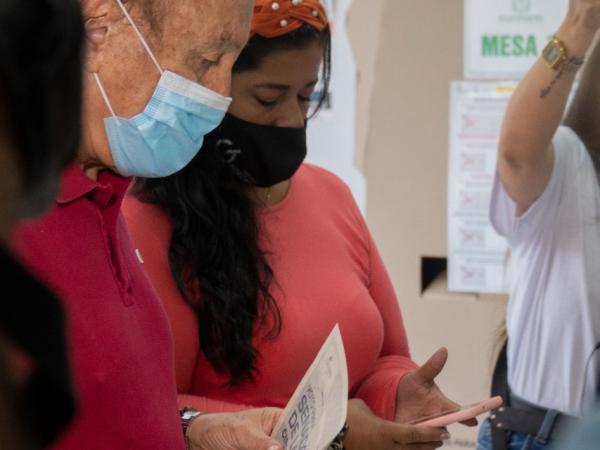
x,y
332,133
503,38
476,254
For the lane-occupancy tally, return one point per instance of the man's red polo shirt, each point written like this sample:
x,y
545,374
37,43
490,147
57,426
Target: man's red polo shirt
x,y
120,343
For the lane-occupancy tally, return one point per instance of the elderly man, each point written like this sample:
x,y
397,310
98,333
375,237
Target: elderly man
x,y
158,73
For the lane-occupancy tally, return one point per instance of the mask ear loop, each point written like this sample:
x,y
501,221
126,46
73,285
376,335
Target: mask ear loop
x,y
142,40
105,97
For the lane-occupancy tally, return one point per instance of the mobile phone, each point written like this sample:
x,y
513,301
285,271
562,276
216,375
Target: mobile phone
x,y
461,414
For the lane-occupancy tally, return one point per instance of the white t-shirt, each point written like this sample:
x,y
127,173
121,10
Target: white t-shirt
x,y
553,316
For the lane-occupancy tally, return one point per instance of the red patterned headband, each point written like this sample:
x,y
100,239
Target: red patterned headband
x,y
273,18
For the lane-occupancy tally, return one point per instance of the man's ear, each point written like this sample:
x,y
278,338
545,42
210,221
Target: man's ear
x,y
97,19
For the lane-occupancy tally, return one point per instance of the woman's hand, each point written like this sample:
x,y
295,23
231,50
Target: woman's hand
x,y
247,430
584,14
366,431
418,396
579,26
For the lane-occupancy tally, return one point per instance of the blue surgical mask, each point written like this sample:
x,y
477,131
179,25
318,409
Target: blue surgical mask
x,y
166,136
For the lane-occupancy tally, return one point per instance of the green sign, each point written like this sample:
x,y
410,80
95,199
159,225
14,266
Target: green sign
x,y
504,38
506,45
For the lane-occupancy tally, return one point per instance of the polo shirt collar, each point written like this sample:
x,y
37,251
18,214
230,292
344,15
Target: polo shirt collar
x,y
75,184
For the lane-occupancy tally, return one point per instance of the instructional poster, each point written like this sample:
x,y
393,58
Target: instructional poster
x,y
503,38
476,254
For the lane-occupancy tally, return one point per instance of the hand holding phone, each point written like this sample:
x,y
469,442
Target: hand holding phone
x,y
461,414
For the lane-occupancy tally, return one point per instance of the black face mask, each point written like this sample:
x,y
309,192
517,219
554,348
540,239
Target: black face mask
x,y
259,155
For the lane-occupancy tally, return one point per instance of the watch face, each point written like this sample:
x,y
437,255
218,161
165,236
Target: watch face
x,y
552,53
190,414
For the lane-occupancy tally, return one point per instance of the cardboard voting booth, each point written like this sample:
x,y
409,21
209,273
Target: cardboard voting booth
x,y
419,52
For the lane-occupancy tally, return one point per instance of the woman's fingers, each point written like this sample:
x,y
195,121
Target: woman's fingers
x,y
410,434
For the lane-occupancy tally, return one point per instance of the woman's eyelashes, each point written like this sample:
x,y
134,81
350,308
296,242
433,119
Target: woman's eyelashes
x,y
266,103
272,102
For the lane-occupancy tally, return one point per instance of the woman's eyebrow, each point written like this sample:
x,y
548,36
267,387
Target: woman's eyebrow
x,y
276,86
282,87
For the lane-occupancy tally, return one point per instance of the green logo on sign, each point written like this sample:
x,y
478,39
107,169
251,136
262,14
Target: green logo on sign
x,y
521,6
506,45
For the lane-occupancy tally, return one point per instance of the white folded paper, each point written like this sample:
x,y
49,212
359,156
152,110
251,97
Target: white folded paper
x,y
317,411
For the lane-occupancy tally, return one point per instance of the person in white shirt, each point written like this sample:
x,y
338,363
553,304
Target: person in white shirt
x,y
584,436
546,202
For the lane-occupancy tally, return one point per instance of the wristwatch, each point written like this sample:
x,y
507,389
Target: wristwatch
x,y
556,56
188,414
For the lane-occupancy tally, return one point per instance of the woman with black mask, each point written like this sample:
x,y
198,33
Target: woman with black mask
x,y
41,45
257,256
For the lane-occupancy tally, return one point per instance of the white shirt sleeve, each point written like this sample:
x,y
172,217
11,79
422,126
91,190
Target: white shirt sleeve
x,y
567,157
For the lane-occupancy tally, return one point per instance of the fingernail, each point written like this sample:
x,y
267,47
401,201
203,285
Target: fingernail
x,y
274,447
445,436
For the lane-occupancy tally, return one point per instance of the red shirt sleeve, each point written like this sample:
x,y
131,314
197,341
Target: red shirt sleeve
x,y
378,389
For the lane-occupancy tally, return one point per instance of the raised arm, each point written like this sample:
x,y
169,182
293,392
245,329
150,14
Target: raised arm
x,y
583,116
526,156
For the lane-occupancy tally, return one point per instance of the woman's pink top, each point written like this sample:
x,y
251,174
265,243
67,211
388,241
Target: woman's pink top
x,y
327,270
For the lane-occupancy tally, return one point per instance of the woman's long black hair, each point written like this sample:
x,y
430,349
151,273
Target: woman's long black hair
x,y
214,249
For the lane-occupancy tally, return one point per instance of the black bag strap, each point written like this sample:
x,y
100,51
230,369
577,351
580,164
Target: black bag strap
x,y
500,387
598,377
